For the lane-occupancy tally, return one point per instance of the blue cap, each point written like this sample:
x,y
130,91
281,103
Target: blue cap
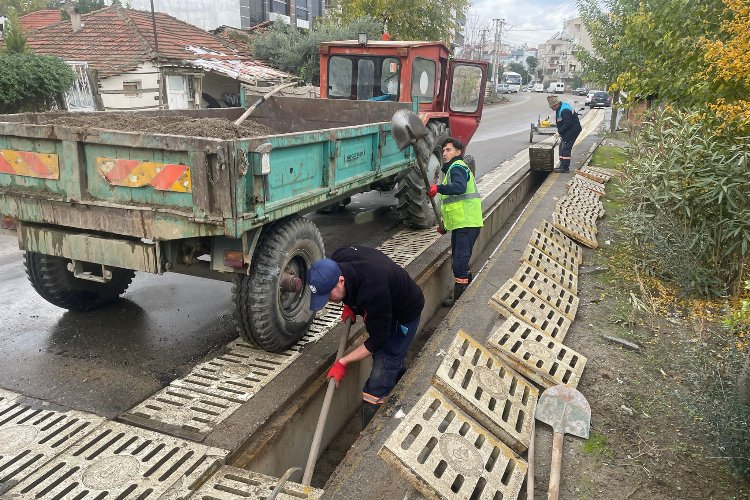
x,y
322,277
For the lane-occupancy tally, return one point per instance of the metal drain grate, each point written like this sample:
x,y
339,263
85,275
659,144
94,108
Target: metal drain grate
x,y
7,396
574,229
119,461
213,390
536,355
407,244
231,483
513,299
488,391
548,266
579,181
533,254
32,435
570,246
549,291
552,249
445,454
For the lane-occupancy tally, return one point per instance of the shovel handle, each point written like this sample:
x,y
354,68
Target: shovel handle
x,y
423,171
554,474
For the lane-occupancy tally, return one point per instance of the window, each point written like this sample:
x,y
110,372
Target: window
x,y
423,80
302,12
132,87
363,78
465,89
279,7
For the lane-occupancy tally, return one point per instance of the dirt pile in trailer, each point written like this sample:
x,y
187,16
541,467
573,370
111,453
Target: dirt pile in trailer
x,y
218,128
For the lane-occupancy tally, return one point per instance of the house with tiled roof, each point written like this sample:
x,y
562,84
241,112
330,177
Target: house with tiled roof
x,y
40,19
146,61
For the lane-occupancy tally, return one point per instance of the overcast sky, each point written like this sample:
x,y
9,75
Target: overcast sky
x,y
531,21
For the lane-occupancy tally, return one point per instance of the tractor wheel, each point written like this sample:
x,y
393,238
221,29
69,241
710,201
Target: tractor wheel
x,y
414,207
269,316
50,277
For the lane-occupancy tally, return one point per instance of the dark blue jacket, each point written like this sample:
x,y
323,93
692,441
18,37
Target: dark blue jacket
x,y
568,125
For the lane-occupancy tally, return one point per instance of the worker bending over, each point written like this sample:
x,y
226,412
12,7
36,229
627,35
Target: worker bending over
x,y
461,208
568,128
372,286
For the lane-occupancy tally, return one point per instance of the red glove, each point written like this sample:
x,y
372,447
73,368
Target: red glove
x,y
432,191
337,372
348,313
440,229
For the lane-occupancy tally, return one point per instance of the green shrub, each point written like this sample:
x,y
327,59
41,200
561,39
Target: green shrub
x,y
30,82
690,200
296,52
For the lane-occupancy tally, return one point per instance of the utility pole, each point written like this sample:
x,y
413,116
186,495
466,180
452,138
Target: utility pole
x,y
497,46
483,37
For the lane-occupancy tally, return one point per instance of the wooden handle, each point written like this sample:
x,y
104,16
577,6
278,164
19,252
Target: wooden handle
x,y
530,471
554,473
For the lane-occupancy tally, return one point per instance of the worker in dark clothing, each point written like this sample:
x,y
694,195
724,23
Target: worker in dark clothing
x,y
568,128
372,286
461,208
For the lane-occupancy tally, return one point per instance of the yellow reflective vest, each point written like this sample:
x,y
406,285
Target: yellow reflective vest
x,y
461,210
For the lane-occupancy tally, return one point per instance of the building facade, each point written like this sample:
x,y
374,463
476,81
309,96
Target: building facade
x,y
556,58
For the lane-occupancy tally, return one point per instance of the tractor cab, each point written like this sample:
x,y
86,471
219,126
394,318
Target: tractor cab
x,y
447,90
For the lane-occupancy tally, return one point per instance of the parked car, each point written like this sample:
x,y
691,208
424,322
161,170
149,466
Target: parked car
x,y
600,100
538,87
504,88
556,88
581,91
589,96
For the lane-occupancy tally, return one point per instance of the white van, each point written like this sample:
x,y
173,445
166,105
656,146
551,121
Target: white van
x,y
556,88
538,87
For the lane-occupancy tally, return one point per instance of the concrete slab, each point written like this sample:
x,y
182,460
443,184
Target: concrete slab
x,y
536,355
231,483
585,216
594,174
488,391
513,299
558,272
120,461
574,229
31,433
570,246
553,249
552,293
7,396
445,454
582,204
581,181
532,254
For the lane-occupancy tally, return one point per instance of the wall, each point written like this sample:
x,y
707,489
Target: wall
x,y
205,15
147,73
215,86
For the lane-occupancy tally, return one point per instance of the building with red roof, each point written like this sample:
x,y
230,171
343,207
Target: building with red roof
x,y
145,62
40,19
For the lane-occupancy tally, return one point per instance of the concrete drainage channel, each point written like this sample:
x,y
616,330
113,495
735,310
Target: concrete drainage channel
x,y
252,410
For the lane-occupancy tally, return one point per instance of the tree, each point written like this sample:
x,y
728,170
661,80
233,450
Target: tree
x,y
15,38
30,82
409,19
532,62
728,58
21,7
296,52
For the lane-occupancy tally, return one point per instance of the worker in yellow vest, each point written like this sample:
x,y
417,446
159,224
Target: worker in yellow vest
x,y
461,208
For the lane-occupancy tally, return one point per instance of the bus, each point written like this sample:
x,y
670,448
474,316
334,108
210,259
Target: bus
x,y
513,80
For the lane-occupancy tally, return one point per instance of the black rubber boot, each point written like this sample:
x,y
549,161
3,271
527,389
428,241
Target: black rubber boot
x,y
368,411
458,290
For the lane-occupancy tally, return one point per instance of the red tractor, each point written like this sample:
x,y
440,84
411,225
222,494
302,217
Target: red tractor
x,y
449,93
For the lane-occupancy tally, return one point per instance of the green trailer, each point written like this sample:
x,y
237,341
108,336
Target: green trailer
x,y
96,205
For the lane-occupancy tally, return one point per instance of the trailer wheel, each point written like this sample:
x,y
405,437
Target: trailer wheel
x,y
267,316
414,206
51,279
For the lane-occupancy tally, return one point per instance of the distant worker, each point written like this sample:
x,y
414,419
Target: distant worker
x,y
382,292
461,208
568,128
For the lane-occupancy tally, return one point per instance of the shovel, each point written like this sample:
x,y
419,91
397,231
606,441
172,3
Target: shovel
x,y
567,412
260,101
407,129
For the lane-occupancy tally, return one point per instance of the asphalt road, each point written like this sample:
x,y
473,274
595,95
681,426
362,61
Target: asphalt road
x,y
108,360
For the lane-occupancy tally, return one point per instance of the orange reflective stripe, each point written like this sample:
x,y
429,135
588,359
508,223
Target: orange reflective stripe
x,y
462,281
369,398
